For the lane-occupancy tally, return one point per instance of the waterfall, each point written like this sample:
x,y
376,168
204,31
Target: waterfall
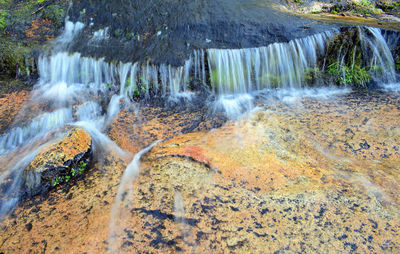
x,y
38,126
72,88
279,65
129,79
375,46
67,93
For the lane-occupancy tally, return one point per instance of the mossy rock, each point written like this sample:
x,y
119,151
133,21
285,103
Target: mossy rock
x,y
345,63
16,58
396,56
364,8
347,46
24,25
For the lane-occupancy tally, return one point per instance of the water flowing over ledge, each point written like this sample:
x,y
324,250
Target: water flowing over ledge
x,y
90,92
220,71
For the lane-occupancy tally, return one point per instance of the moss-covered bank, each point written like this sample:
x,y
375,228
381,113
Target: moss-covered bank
x,y
24,26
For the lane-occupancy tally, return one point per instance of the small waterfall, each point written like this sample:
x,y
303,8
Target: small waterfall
x,y
13,175
375,46
72,87
71,30
67,92
76,73
38,126
130,174
279,65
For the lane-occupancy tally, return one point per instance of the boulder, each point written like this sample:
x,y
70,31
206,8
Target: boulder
x,y
58,162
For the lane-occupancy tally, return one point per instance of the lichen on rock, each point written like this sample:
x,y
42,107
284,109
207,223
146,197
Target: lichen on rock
x,y
53,163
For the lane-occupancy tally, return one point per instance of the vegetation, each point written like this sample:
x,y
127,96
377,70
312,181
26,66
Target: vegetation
x,y
109,85
388,6
365,8
313,76
3,23
24,25
15,58
345,75
54,13
77,170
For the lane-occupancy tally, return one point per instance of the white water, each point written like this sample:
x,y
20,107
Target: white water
x,y
125,186
61,97
73,86
279,65
381,55
38,126
11,196
180,220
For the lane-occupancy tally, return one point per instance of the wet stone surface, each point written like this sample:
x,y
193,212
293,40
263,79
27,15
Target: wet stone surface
x,y
134,129
54,162
311,176
168,31
10,105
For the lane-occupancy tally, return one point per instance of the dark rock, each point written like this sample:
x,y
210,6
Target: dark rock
x,y
168,31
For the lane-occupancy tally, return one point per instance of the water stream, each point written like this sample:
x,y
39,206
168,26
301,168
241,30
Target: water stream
x,y
90,92
124,194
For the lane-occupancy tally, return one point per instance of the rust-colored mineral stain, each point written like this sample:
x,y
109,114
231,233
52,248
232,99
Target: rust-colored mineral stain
x,y
10,105
196,153
39,29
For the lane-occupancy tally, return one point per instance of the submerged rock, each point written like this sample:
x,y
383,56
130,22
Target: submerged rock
x,y
54,163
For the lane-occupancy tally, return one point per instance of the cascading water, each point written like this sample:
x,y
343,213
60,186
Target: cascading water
x,y
373,40
130,174
236,75
61,97
280,65
179,214
72,87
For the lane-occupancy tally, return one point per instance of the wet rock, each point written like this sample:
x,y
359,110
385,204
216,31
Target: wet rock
x,y
187,25
277,181
10,105
55,161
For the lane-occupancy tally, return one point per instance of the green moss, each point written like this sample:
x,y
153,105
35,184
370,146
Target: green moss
x,y
313,75
365,8
224,79
397,64
388,6
14,57
316,12
54,13
3,20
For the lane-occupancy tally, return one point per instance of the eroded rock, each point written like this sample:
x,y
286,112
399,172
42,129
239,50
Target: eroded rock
x,y
53,163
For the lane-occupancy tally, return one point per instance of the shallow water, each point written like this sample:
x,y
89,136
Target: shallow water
x,y
252,160
324,167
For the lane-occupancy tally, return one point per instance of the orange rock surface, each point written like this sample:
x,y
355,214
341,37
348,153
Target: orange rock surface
x,y
10,105
76,141
318,176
